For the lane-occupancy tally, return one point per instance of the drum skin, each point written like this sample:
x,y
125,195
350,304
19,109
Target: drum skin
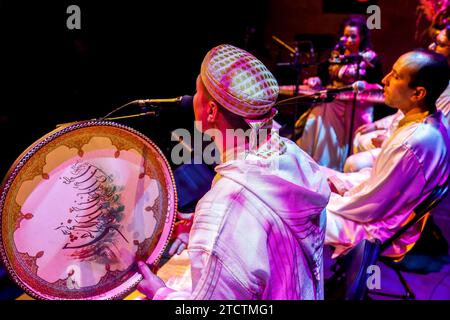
x,y
81,206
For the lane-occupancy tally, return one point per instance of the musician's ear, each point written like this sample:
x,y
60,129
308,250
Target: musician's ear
x,y
213,111
419,94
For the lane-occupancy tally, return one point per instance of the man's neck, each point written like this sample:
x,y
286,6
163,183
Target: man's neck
x,y
235,152
230,148
416,110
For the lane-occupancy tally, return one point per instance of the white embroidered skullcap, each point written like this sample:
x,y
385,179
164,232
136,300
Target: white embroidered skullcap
x,y
238,81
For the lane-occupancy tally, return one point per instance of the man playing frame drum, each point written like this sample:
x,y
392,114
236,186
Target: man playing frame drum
x,y
258,233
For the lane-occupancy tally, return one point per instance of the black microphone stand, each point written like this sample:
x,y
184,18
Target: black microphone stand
x,y
355,96
297,66
298,70
144,109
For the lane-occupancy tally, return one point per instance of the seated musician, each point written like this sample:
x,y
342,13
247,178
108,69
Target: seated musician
x,y
258,233
369,137
326,131
414,161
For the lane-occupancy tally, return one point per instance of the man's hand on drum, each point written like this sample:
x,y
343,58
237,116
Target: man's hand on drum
x,y
181,233
150,283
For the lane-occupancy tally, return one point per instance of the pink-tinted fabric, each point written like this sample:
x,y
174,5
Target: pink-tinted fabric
x,y
258,233
414,160
326,133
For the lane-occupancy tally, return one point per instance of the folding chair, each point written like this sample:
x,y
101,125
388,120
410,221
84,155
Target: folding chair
x,y
349,280
421,212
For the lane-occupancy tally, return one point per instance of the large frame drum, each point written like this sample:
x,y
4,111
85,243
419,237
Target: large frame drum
x,y
81,206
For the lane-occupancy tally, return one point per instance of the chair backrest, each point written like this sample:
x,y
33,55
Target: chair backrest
x,y
356,263
421,210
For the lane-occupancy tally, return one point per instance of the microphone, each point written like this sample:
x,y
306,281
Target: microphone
x,y
345,58
357,86
355,56
340,45
366,57
183,102
328,94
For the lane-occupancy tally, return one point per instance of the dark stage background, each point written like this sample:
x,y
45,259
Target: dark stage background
x,y
124,51
127,50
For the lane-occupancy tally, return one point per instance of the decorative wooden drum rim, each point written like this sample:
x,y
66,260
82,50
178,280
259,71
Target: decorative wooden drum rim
x,y
81,206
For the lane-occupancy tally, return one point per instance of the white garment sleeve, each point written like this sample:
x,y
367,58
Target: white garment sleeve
x,y
395,181
346,181
211,280
443,104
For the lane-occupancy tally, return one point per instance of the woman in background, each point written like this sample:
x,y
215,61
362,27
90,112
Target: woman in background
x,y
327,125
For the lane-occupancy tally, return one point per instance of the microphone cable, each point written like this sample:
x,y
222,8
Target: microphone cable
x,y
116,110
293,100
